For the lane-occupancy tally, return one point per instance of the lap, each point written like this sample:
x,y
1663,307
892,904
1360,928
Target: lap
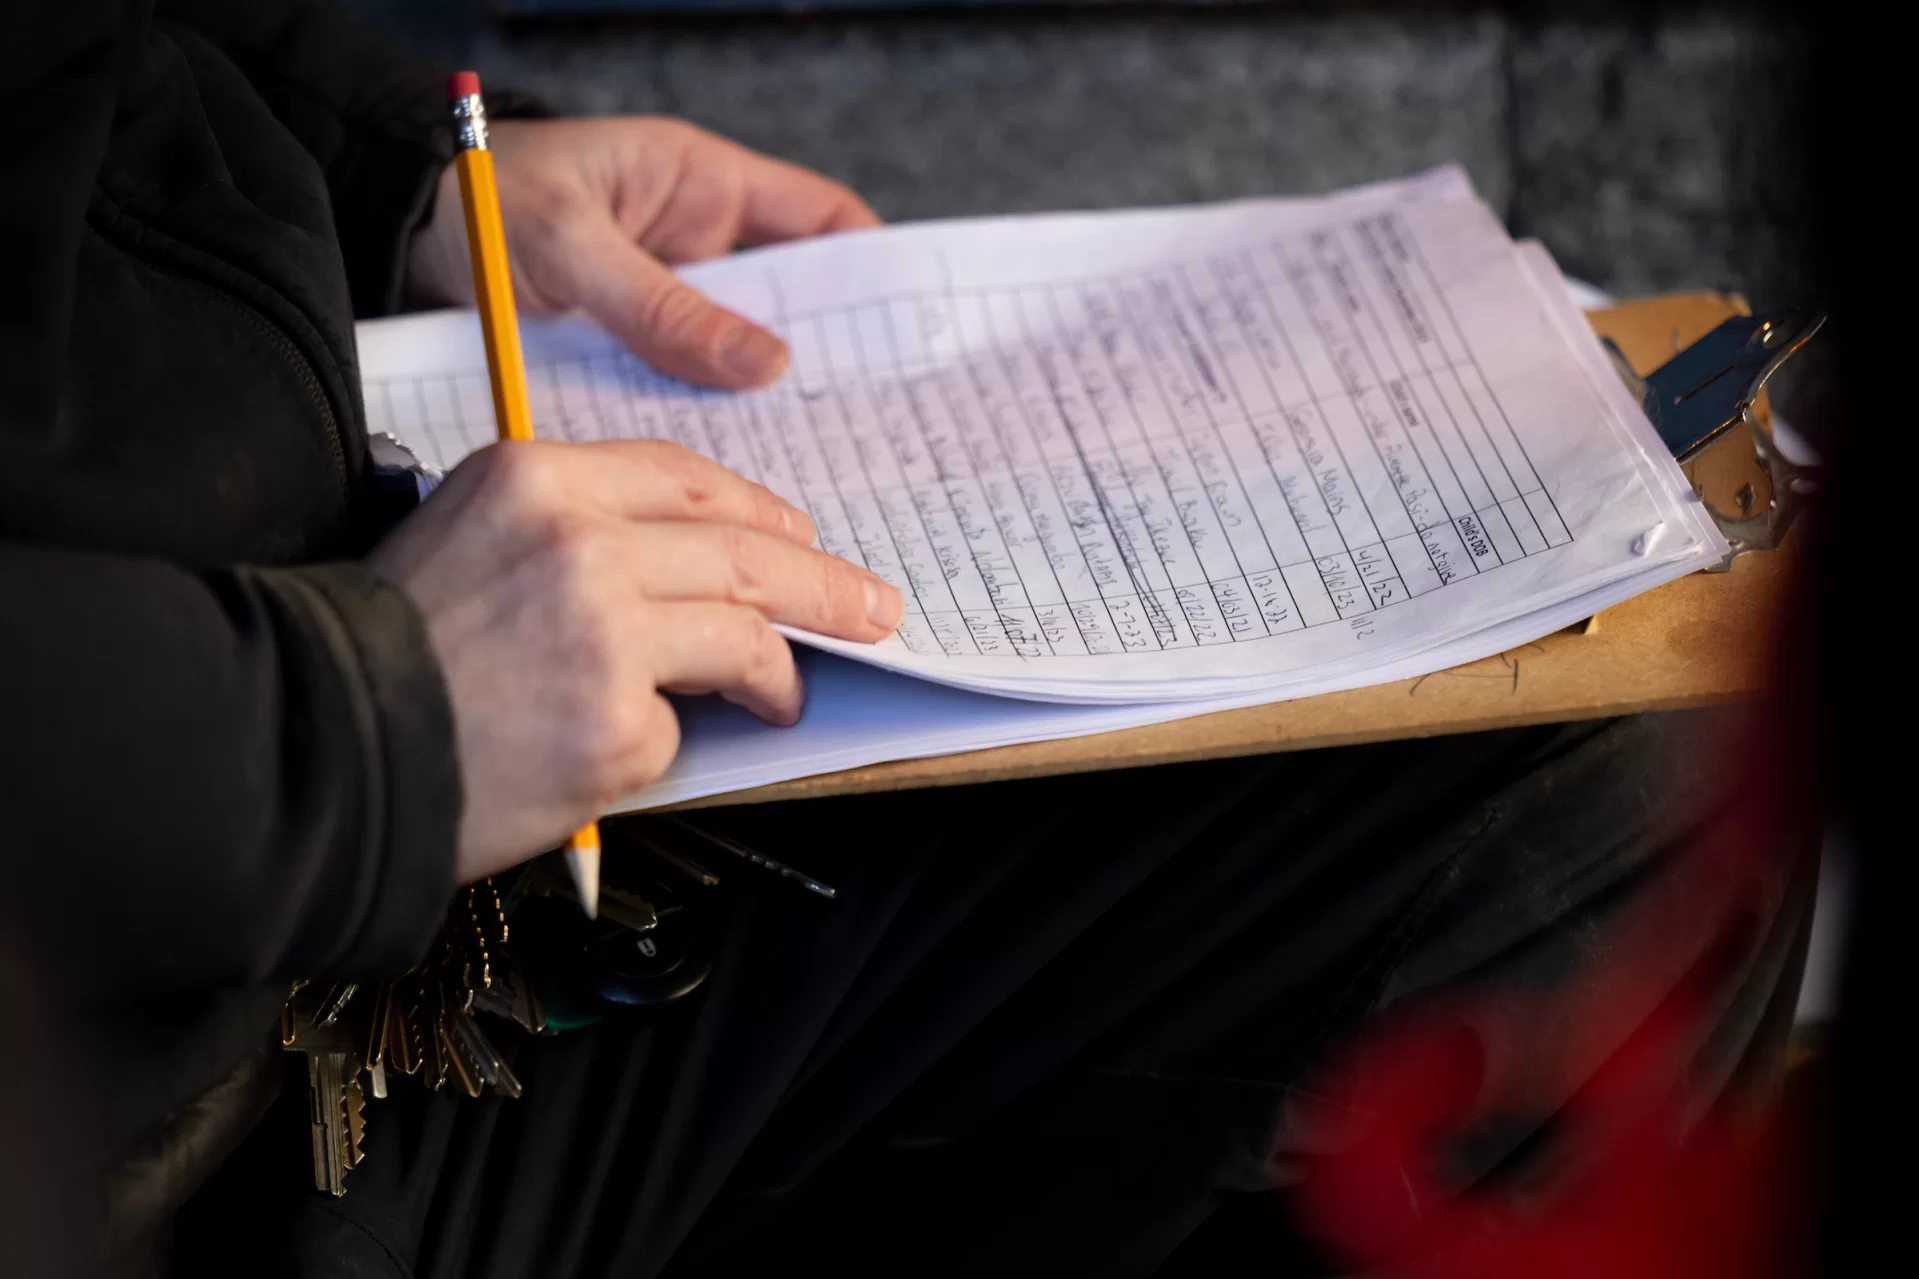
x,y
1053,1019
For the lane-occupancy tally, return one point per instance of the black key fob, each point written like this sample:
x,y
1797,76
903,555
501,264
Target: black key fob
x,y
666,962
651,946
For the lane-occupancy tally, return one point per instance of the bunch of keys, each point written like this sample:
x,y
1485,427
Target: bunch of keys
x,y
420,1023
643,951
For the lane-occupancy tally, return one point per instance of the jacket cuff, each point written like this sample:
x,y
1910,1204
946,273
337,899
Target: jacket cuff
x,y
411,783
390,196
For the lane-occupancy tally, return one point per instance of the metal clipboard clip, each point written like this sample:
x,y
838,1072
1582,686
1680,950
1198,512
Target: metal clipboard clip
x,y
1709,390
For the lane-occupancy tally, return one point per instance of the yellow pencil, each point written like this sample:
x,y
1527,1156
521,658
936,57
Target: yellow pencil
x,y
505,366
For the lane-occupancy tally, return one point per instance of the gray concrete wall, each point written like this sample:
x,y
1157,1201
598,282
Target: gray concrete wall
x,y
1644,152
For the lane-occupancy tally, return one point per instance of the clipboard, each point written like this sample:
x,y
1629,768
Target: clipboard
x,y
1703,640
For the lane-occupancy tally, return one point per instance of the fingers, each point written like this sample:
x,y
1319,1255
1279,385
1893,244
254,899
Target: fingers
x,y
532,483
787,202
730,650
728,195
786,583
664,321
650,480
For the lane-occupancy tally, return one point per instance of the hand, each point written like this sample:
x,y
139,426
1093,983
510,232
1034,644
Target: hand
x,y
597,210
565,587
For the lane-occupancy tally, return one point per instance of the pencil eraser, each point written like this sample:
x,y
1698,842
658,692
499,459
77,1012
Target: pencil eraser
x,y
463,84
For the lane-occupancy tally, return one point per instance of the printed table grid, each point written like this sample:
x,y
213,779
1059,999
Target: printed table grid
x,y
1207,452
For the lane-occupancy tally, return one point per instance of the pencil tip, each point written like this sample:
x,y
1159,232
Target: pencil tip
x,y
584,863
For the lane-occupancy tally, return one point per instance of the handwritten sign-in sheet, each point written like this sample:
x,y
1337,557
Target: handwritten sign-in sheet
x,y
1142,456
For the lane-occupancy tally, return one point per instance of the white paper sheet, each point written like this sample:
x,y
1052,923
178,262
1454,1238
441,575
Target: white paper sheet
x,y
1143,456
1139,465
857,714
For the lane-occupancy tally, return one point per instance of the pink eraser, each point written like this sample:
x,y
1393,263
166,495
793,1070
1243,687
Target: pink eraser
x,y
463,84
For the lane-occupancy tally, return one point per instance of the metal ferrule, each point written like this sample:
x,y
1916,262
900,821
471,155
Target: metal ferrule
x,y
469,123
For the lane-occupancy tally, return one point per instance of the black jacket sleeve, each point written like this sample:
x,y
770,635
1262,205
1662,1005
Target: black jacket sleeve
x,y
208,778
374,118
219,780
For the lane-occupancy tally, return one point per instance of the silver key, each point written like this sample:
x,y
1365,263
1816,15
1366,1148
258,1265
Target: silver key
x,y
334,1099
338,996
335,1115
479,1055
511,998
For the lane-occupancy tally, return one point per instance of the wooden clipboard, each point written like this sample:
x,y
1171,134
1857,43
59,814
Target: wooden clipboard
x,y
1700,640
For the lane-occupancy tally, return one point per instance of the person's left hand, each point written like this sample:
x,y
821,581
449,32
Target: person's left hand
x,y
597,210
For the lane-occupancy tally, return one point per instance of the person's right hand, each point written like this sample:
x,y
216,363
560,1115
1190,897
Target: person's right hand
x,y
566,586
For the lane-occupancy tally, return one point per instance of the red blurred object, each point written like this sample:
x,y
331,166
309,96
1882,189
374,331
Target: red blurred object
x,y
1648,1163
1638,1192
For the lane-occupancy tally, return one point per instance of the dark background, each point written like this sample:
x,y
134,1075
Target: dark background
x,y
1650,147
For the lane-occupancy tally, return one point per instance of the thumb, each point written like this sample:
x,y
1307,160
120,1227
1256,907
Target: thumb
x,y
663,320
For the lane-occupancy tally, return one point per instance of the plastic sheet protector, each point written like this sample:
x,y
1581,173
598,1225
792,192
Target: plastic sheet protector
x,y
1139,464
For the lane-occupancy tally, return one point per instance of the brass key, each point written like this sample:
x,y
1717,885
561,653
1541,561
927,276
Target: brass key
x,y
420,1023
377,1025
334,1101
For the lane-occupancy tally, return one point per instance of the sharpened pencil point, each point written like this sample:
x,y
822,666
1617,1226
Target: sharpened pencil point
x,y
583,863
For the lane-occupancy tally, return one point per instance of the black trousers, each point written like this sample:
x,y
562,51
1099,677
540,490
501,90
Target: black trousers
x,y
1048,1027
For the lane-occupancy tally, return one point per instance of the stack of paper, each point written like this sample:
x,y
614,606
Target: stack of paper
x,y
1134,466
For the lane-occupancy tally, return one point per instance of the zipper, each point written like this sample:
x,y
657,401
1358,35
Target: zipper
x,y
276,333
303,369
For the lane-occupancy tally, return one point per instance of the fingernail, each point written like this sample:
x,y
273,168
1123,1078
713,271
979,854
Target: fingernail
x,y
752,354
797,524
883,604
